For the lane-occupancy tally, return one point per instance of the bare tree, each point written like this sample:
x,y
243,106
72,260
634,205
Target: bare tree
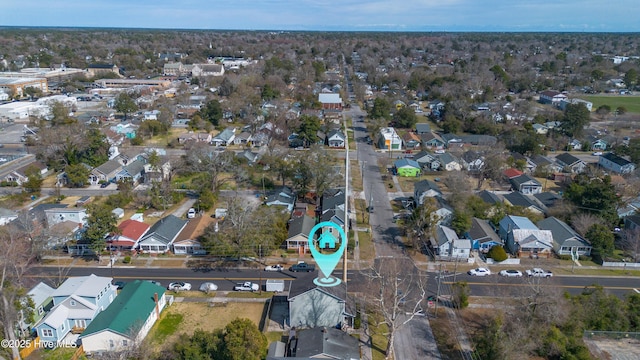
x,y
581,222
630,242
397,291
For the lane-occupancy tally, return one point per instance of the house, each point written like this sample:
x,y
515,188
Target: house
x,y
520,235
407,167
427,160
249,155
424,189
225,138
482,235
298,233
432,140
490,197
21,175
524,201
448,162
548,199
7,216
388,139
330,101
511,173
449,139
202,136
423,128
311,306
42,302
105,172
444,214
615,163
566,241
575,144
161,235
552,97
207,70
472,161
129,233
187,242
60,214
332,199
336,139
133,172
75,304
526,184
541,164
479,139
283,197
570,163
447,244
565,102
128,320
596,144
318,343
411,141
244,138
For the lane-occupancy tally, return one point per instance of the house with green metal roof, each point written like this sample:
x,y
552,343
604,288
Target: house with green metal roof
x,y
127,320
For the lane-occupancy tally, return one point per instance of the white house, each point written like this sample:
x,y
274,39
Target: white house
x,y
389,139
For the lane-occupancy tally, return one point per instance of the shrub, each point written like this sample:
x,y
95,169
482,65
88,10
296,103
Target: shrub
x,y
497,253
127,259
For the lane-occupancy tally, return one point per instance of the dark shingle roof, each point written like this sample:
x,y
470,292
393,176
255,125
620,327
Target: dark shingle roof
x,y
567,159
301,226
616,159
331,342
524,178
489,197
482,230
426,185
166,229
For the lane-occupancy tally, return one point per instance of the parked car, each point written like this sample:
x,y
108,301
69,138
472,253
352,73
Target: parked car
x,y
246,286
191,213
479,272
510,273
208,286
179,286
597,153
104,185
537,272
302,267
120,284
276,267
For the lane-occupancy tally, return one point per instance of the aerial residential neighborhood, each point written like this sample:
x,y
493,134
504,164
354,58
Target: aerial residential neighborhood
x,y
158,196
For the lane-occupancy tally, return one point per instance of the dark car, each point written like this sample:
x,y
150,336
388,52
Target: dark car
x,y
104,185
302,267
120,284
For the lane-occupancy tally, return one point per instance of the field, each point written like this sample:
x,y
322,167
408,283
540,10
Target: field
x,y
185,317
631,103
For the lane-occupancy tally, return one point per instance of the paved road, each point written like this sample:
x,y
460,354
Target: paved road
x,y
385,233
415,340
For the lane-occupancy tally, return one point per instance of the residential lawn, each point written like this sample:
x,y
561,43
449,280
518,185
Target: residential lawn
x,y
250,295
167,325
54,354
362,216
274,336
631,103
445,336
378,338
186,317
356,176
367,251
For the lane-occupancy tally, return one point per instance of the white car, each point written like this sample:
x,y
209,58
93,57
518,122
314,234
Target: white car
x,y
510,273
191,213
179,286
479,272
276,267
597,153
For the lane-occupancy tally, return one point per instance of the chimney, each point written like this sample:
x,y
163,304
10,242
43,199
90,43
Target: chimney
x,y
155,299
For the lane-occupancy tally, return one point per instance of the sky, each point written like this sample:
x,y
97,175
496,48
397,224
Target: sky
x,y
330,15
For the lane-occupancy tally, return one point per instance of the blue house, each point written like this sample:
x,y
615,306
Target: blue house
x,y
482,235
75,304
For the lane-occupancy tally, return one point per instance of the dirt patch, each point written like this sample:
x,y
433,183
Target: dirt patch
x,y
203,316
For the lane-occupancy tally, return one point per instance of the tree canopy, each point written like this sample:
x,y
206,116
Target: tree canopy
x,y
595,195
125,104
211,112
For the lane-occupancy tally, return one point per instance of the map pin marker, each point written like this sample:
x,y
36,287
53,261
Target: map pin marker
x,y
327,262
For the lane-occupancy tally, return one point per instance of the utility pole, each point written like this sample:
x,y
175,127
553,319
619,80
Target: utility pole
x,y
346,205
260,256
438,291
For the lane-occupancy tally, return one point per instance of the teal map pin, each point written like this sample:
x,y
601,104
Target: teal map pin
x,y
327,262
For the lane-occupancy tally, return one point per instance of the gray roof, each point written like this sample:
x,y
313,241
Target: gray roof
x,y
489,197
301,226
616,159
446,158
471,155
40,293
424,156
540,160
481,230
329,342
479,139
547,198
166,229
336,132
425,185
135,168
518,199
83,286
225,135
524,178
567,159
423,128
108,167
332,198
406,162
283,196
562,232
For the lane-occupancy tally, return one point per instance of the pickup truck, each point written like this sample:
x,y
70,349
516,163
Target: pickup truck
x,y
302,267
246,286
537,272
